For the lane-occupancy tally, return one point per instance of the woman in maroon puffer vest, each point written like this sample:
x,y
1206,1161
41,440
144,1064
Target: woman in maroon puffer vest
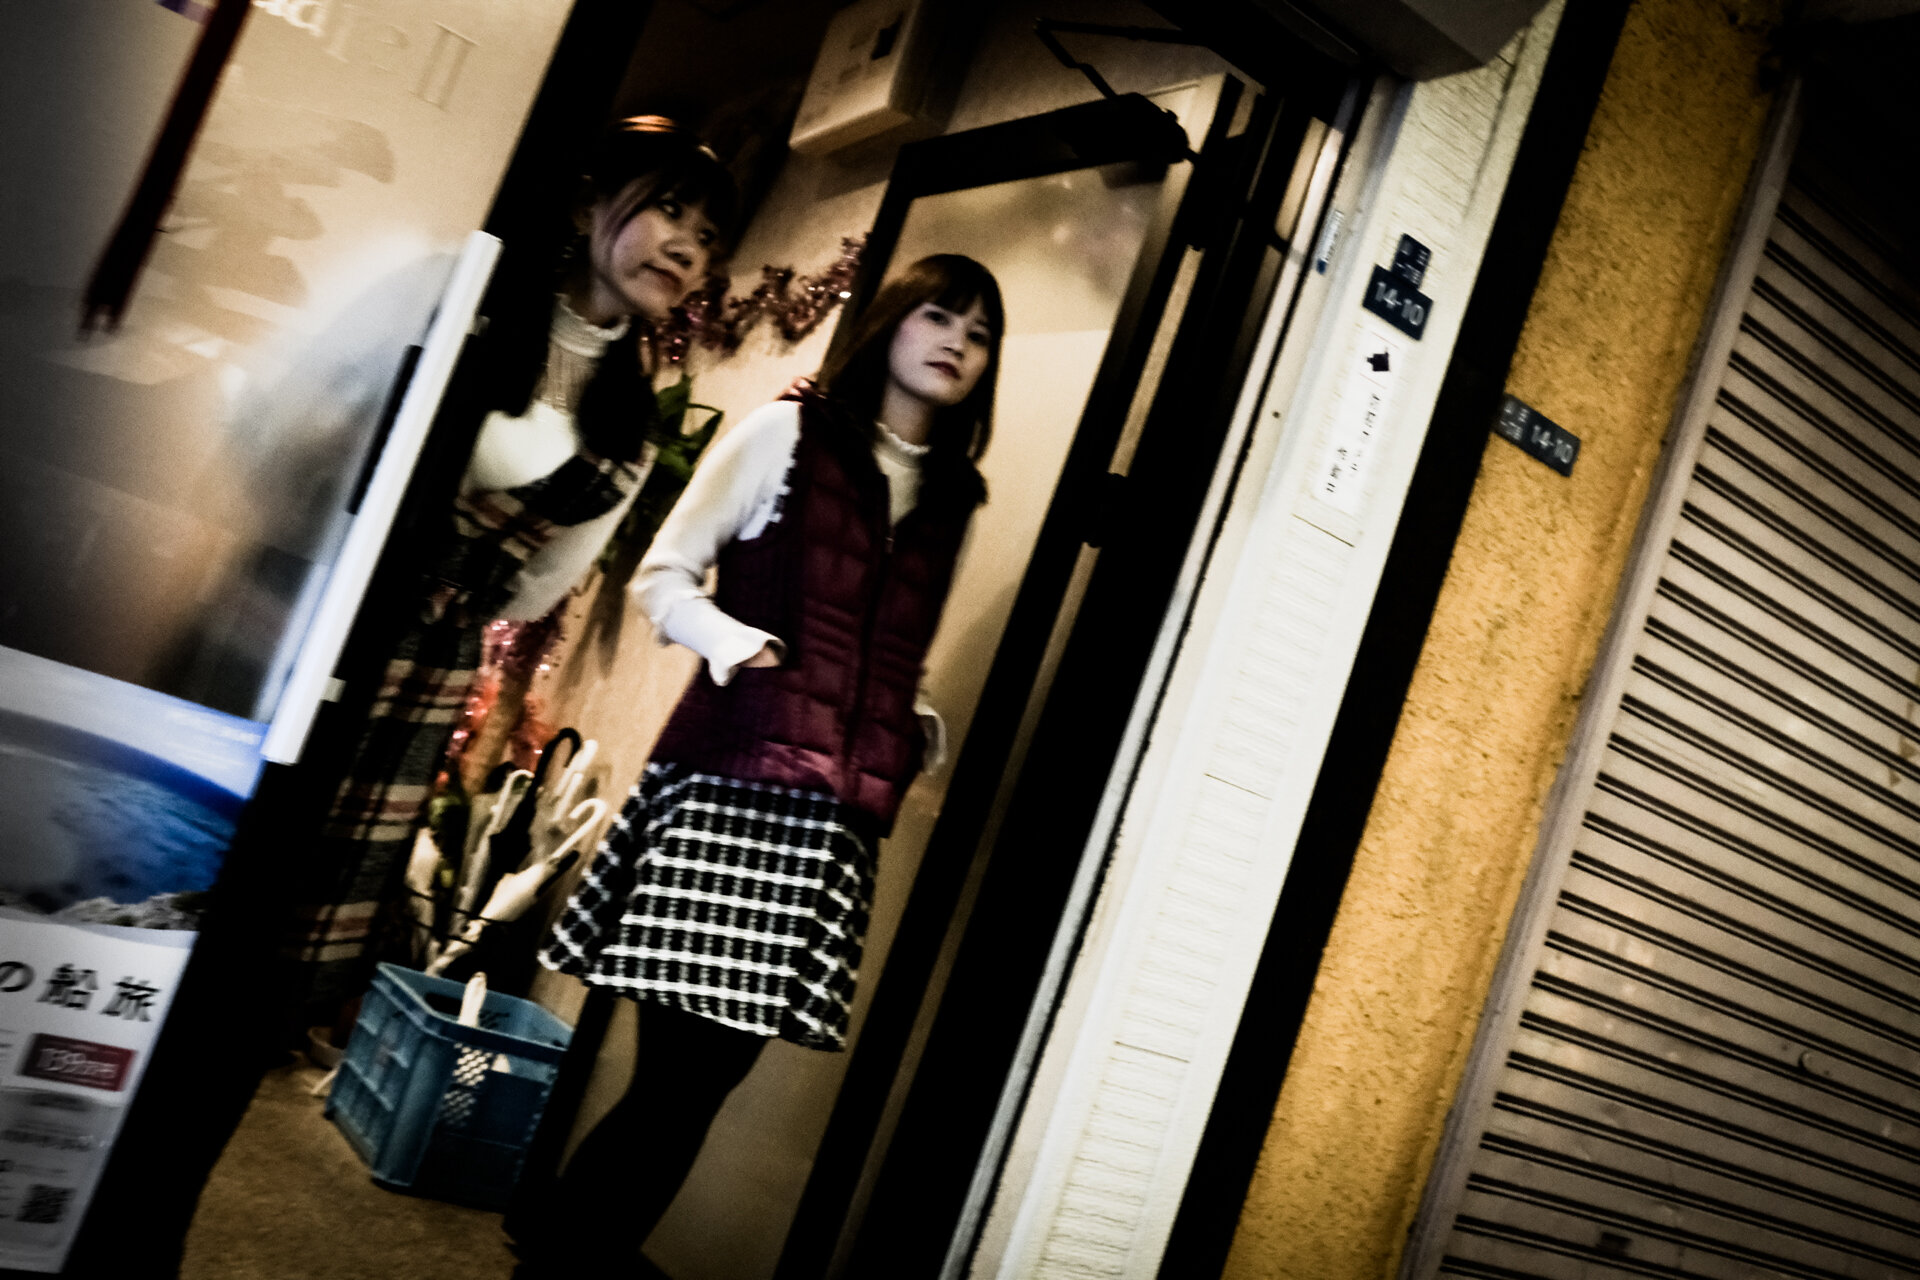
x,y
731,898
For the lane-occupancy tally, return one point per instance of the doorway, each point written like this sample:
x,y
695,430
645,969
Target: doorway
x,y
1134,237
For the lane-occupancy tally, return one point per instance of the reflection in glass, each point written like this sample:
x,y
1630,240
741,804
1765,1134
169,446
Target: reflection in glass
x,y
172,492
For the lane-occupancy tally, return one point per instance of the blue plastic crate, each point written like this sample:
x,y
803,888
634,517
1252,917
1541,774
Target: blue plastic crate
x,y
439,1109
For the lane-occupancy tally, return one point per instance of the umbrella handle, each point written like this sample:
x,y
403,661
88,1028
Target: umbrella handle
x,y
503,804
540,769
472,1000
520,824
581,832
574,775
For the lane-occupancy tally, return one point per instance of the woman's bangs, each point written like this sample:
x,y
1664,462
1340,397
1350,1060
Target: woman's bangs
x,y
964,286
958,297
704,181
693,177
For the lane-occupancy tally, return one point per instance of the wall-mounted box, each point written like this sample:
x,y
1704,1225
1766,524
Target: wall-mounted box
x,y
875,76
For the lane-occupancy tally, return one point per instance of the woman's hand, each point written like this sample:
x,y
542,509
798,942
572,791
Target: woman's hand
x,y
767,657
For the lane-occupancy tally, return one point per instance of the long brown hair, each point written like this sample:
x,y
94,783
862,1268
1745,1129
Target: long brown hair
x,y
856,376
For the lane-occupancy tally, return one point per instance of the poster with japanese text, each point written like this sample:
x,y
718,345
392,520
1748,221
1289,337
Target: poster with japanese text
x,y
80,1008
118,804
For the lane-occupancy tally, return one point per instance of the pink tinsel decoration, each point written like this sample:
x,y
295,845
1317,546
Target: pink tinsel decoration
x,y
508,651
795,304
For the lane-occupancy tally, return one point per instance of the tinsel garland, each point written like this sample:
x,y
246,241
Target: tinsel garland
x,y
508,651
795,304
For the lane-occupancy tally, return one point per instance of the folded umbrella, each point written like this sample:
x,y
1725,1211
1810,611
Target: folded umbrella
x,y
518,891
477,869
508,850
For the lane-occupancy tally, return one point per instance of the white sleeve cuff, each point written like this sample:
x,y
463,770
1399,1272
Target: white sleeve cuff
x,y
934,729
723,640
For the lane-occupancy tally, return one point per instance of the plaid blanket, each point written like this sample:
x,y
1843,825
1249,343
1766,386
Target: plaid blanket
x,y
742,902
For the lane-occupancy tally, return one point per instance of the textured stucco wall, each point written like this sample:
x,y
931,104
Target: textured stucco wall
x,y
1532,582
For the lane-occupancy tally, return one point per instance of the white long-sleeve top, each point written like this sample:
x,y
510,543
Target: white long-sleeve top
x,y
512,451
737,492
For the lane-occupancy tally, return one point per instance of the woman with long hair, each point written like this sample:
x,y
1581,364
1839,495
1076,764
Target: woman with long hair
x,y
569,426
731,898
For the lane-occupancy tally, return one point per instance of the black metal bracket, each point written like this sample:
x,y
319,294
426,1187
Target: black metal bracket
x,y
1049,29
110,288
1105,501
378,445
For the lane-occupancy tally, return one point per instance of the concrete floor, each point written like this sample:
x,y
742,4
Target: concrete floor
x,y
291,1201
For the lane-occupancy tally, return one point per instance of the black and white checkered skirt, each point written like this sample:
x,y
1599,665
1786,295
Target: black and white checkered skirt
x,y
739,901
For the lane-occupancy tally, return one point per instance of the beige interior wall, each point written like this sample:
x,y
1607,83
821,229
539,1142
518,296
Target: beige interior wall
x,y
1529,592
617,685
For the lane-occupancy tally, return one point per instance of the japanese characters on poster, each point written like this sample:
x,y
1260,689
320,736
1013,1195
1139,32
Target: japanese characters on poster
x,y
118,803
80,1007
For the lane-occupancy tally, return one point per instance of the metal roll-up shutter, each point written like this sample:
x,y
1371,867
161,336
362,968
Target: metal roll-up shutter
x,y
1715,1070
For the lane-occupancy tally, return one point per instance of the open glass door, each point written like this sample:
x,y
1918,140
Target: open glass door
x,y
167,528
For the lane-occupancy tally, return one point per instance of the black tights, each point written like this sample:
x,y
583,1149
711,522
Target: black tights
x,y
626,1172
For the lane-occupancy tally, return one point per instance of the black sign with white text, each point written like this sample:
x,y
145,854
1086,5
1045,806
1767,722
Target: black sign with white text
x,y
1537,434
1401,305
1410,261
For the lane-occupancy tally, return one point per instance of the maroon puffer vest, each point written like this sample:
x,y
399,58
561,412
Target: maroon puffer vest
x,y
857,610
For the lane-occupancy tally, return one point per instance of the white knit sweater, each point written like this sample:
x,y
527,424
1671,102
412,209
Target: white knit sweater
x,y
512,451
